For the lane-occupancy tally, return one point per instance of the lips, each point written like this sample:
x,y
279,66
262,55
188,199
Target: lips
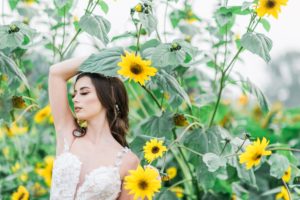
x,y
77,109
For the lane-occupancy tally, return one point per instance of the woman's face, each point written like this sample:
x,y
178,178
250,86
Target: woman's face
x,y
85,97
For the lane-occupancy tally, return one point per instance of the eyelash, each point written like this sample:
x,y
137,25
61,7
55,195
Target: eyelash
x,y
84,93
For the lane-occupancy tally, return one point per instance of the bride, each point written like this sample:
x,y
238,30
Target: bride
x,y
92,161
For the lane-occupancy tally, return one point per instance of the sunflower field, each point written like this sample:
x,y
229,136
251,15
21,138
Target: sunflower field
x,y
195,141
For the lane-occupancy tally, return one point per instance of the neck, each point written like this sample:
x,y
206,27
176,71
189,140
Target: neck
x,y
98,130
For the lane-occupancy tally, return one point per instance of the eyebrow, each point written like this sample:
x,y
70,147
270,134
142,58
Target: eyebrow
x,y
82,88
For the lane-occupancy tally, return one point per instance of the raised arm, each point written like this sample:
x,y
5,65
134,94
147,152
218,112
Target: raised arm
x,y
59,74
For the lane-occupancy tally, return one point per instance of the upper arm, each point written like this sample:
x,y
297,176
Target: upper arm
x,y
61,112
131,164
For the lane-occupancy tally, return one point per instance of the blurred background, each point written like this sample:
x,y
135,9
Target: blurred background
x,y
279,79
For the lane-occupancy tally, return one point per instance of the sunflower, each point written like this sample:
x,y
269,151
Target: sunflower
x,y
23,177
153,149
254,153
171,173
38,190
43,114
190,17
270,7
21,194
142,182
178,191
5,152
16,167
29,2
243,100
46,172
136,68
14,129
287,175
283,194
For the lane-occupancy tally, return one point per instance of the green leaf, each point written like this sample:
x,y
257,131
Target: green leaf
x,y
104,6
258,44
176,16
213,161
262,100
169,83
165,195
19,37
265,24
163,56
95,26
245,175
246,5
8,63
105,62
189,29
149,44
13,4
148,21
278,165
124,35
159,126
137,144
61,3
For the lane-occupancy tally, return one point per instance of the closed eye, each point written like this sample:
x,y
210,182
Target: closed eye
x,y
84,93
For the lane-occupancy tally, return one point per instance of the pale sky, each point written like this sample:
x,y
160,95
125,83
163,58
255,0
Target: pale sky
x,y
285,31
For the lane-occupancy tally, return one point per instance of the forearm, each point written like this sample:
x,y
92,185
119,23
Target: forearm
x,y
67,68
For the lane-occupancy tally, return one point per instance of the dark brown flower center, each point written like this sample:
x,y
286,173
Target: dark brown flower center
x,y
21,196
135,68
155,150
143,185
270,4
257,156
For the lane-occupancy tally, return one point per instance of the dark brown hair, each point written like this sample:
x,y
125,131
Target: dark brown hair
x,y
111,92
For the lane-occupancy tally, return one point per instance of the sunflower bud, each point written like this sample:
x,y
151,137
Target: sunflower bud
x,y
138,8
13,29
175,47
180,120
18,102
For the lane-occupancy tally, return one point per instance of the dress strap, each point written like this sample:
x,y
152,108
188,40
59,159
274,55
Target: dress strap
x,y
66,145
120,156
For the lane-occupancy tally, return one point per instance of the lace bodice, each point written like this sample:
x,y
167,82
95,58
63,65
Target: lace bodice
x,y
102,183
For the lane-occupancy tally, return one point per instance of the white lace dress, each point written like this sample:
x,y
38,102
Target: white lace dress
x,y
102,183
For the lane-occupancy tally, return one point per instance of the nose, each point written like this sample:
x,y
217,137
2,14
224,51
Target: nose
x,y
74,99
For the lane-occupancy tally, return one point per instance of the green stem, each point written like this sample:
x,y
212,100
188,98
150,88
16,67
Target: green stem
x,y
72,40
194,180
178,183
240,147
165,20
191,150
138,40
3,21
64,34
78,31
182,134
138,99
188,187
224,147
193,117
157,34
284,149
218,99
287,189
153,97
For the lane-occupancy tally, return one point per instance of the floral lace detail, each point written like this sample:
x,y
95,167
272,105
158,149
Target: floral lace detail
x,y
102,183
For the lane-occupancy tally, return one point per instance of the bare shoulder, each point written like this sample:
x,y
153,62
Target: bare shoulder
x,y
130,162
